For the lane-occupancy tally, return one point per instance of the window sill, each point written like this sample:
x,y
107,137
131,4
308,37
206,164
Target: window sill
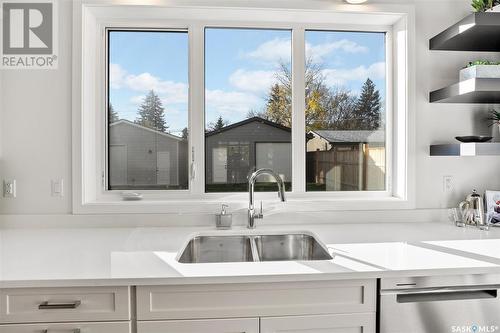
x,y
239,202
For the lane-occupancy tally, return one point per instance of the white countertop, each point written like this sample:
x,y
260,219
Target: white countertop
x,y
145,256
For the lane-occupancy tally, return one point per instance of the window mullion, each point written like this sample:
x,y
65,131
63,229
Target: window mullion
x,y
298,110
196,108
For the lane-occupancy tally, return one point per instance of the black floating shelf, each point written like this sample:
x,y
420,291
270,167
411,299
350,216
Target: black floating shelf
x,y
476,32
480,91
466,149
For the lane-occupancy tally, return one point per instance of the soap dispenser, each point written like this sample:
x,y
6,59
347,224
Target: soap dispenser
x,y
223,220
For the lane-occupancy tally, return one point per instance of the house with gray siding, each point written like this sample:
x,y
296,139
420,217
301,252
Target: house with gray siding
x,y
232,152
143,157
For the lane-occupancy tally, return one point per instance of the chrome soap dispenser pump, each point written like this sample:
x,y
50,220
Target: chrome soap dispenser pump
x,y
223,220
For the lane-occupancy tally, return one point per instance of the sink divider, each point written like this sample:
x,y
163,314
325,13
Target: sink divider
x,y
253,246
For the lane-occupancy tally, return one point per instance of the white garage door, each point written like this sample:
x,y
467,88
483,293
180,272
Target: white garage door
x,y
163,168
219,165
117,165
275,156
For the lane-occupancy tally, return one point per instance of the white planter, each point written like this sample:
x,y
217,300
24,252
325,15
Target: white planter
x,y
480,72
495,9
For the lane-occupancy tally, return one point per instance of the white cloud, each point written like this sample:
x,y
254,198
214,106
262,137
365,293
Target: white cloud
x,y
137,100
335,77
116,76
252,81
170,92
230,104
317,52
280,49
275,50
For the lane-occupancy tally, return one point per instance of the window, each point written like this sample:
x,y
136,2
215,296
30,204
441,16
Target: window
x,y
182,103
345,111
248,115
148,110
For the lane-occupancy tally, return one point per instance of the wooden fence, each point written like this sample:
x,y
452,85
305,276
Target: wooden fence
x,y
354,167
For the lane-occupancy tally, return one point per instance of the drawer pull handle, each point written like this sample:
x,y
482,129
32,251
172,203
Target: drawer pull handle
x,y
76,330
58,306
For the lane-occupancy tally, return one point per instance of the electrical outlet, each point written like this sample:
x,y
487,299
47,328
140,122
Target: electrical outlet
x,y
9,188
448,184
57,187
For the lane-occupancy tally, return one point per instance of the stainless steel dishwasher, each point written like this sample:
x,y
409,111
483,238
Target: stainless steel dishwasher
x,y
458,304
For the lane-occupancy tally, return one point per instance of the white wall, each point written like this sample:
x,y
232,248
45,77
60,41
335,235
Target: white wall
x,y
440,123
35,121
36,130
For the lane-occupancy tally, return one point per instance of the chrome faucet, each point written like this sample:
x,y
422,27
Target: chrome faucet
x,y
251,192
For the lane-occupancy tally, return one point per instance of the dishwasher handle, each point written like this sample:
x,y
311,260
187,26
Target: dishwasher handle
x,y
445,294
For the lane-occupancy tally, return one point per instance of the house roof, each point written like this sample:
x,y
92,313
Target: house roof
x,y
128,122
248,121
351,136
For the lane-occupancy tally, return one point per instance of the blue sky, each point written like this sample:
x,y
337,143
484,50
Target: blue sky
x,y
240,67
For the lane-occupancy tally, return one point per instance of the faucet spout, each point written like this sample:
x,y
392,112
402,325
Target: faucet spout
x,y
252,215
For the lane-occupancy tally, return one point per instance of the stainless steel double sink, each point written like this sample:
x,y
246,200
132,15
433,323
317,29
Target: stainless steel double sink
x,y
250,248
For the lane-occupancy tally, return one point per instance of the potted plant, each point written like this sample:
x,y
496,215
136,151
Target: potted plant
x,y
494,118
480,69
486,5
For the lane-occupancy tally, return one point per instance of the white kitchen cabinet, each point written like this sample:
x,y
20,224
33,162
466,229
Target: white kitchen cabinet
x,y
236,325
114,327
255,300
337,323
37,305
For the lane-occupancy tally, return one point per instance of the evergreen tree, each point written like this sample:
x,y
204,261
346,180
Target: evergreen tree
x,y
185,133
220,123
112,114
217,125
151,113
368,107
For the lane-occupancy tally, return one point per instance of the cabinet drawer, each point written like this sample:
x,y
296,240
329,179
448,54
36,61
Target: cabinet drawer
x,y
255,300
64,304
245,325
116,327
339,323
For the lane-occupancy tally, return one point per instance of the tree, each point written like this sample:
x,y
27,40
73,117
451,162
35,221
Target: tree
x,y
342,106
151,113
112,114
220,123
217,125
335,108
278,108
185,133
279,100
368,107
253,113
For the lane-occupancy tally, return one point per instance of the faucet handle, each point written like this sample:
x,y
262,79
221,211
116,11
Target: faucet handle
x,y
261,213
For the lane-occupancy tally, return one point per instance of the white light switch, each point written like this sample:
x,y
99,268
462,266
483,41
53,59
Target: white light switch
x,y
57,187
9,188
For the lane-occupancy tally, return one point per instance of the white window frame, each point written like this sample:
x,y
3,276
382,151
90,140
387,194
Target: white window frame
x,y
91,20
